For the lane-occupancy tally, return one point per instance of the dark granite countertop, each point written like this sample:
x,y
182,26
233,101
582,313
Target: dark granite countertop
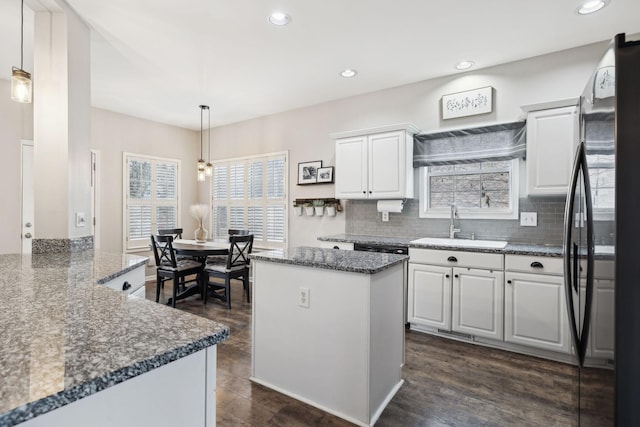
x,y
333,259
64,337
602,252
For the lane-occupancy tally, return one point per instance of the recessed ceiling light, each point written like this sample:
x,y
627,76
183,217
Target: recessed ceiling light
x,y
279,19
348,73
464,65
591,6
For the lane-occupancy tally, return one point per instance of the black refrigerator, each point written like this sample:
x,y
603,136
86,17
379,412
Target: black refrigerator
x,y
602,243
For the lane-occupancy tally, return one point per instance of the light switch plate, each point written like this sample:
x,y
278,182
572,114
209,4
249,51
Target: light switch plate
x,y
80,220
528,219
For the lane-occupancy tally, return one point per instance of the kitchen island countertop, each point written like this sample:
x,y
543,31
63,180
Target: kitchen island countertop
x,y
65,337
333,259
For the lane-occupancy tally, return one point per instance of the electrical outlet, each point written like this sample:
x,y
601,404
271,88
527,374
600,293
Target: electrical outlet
x,y
529,219
303,297
385,216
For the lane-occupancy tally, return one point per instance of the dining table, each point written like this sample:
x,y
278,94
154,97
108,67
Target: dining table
x,y
198,251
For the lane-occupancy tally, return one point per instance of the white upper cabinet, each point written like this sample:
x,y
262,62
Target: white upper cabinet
x,y
552,137
375,163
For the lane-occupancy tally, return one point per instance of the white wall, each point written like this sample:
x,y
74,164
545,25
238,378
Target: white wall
x,y
112,134
304,132
16,123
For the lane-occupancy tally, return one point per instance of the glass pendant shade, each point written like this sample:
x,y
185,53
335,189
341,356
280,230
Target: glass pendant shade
x,y
201,177
208,169
20,85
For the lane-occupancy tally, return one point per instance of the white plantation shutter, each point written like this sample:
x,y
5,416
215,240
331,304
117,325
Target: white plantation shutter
x,y
236,181
255,180
251,193
139,221
256,221
275,178
150,198
275,223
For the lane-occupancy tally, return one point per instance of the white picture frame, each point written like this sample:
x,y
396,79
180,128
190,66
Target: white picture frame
x,y
467,103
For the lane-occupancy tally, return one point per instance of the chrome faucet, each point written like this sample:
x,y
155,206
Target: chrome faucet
x,y
452,229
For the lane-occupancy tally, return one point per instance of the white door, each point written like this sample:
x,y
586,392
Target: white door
x,y
386,154
27,231
535,311
477,302
429,296
351,163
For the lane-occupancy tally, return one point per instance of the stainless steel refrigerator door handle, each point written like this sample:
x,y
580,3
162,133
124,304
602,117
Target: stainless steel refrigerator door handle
x,y
568,247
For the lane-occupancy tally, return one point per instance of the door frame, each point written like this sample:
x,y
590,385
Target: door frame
x,y
24,143
95,198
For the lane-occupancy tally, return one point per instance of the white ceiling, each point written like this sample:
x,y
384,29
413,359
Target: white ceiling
x,y
160,59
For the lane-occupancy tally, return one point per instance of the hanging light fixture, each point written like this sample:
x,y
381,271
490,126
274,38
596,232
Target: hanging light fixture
x,y
208,171
20,79
201,163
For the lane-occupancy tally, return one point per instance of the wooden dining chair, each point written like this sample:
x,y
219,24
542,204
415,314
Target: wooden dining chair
x,y
237,232
168,267
235,267
221,259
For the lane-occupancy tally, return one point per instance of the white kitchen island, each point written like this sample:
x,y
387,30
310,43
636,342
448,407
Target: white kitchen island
x,y
328,328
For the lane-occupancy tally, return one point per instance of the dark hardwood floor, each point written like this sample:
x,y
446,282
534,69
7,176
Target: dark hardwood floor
x,y
447,383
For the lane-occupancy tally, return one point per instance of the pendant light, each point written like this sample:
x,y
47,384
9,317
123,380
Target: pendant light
x,y
20,79
208,171
201,163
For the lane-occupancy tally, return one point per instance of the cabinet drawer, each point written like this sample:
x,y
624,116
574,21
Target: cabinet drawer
x,y
534,264
482,260
134,277
347,246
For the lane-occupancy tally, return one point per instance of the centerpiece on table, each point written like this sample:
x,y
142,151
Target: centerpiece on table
x,y
200,212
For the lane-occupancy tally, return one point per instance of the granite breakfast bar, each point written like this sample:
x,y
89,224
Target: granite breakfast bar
x,y
74,352
328,328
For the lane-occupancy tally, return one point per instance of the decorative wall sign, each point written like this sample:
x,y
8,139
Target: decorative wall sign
x,y
308,172
467,103
325,175
604,85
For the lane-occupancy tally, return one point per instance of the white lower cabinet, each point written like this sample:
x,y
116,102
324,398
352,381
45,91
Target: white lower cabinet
x,y
477,299
429,296
535,311
448,292
602,321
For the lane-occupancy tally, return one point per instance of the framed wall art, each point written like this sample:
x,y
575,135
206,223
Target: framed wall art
x,y
467,103
325,175
308,172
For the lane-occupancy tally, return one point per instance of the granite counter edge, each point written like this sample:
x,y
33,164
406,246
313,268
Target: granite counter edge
x,y
47,404
325,266
125,270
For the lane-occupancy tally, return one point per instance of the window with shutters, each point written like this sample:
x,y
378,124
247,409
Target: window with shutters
x,y
250,193
151,194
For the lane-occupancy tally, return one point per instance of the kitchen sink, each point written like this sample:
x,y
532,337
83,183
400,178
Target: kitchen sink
x,y
460,243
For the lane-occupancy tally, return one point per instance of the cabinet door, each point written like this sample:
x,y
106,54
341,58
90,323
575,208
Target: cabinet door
x,y
535,311
351,164
552,136
602,320
429,296
387,176
477,302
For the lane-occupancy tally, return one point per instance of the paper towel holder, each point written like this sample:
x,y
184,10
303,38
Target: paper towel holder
x,y
394,206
